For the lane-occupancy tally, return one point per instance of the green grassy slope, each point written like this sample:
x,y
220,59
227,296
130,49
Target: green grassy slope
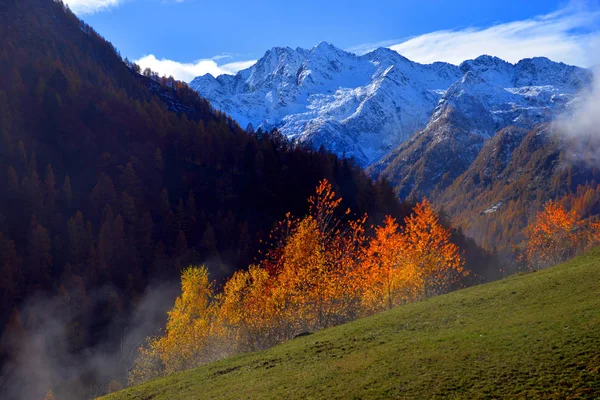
x,y
530,336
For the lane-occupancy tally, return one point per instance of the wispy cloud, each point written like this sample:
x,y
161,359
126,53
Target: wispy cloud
x,y
368,47
81,7
567,35
188,71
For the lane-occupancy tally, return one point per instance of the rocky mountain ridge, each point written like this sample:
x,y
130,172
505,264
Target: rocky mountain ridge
x,y
367,107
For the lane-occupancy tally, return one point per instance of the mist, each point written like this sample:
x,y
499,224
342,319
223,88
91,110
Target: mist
x,y
43,357
584,120
578,128
580,124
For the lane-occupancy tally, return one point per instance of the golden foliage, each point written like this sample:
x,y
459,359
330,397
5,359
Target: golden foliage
x,y
322,270
247,310
190,324
192,332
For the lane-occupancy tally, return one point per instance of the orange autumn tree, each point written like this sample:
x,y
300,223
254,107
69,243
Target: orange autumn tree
x,y
555,236
403,265
388,278
427,247
341,241
594,234
315,268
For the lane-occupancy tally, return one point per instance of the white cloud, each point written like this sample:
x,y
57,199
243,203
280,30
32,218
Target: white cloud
x,y
81,7
567,35
188,71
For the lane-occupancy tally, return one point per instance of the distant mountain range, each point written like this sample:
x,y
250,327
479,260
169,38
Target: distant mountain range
x,y
421,126
366,106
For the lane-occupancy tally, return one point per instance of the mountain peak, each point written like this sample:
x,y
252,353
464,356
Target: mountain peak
x,y
324,45
386,54
327,49
489,60
485,62
538,61
280,51
363,106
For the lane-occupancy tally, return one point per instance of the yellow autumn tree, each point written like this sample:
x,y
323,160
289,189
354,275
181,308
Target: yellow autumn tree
x,y
247,311
192,335
303,282
191,324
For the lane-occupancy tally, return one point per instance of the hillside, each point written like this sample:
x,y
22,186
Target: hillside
x,y
515,173
530,336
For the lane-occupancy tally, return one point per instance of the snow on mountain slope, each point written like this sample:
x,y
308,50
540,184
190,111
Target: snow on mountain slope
x,y
490,96
358,106
366,106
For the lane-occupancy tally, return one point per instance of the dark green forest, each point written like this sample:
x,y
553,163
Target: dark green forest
x,y
113,181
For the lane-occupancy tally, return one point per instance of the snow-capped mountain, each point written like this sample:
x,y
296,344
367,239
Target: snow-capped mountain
x,y
358,106
491,95
366,106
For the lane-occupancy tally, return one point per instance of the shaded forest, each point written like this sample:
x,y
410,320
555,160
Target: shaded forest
x,y
115,180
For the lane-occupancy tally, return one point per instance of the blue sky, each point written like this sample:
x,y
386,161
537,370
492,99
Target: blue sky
x,y
191,37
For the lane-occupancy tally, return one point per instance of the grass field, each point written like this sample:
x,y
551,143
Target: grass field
x,y
530,336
